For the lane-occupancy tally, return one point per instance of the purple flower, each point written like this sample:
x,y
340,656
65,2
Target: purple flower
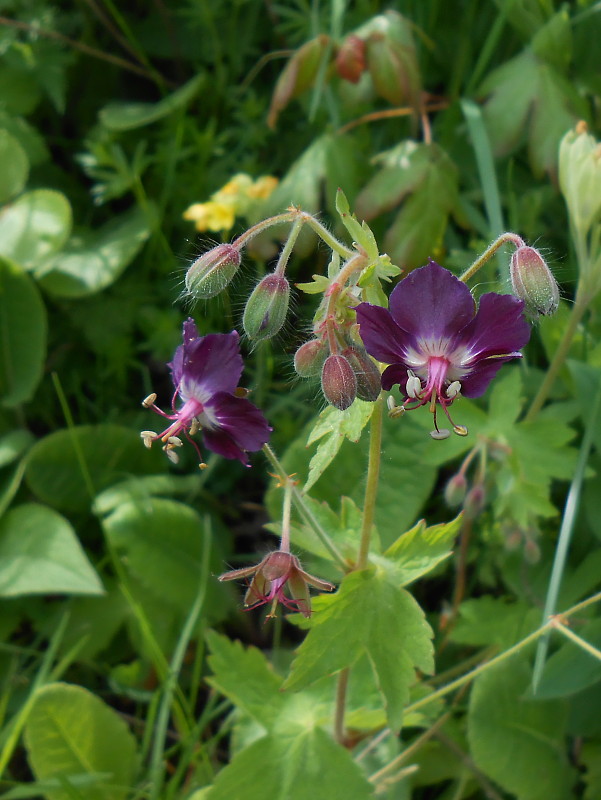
x,y
269,579
438,343
205,371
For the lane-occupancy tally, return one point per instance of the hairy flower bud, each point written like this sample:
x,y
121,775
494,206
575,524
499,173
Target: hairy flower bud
x,y
266,308
350,60
212,272
369,380
533,282
455,490
338,382
392,59
309,358
475,500
298,75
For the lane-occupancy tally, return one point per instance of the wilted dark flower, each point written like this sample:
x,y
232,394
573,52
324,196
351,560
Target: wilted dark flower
x,y
205,371
269,579
438,343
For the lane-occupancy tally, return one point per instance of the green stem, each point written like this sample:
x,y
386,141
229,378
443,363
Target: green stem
x,y
287,249
340,705
580,306
512,238
325,235
305,511
371,487
255,230
582,643
469,676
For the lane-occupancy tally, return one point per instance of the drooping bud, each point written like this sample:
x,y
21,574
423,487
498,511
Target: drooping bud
x,y
350,60
533,282
475,500
298,75
455,490
338,382
212,272
392,59
369,380
309,358
267,307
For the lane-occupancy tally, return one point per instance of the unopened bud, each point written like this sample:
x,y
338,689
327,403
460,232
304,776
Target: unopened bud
x,y
338,382
533,282
455,490
369,380
309,358
212,272
350,60
475,500
392,59
580,177
266,308
531,551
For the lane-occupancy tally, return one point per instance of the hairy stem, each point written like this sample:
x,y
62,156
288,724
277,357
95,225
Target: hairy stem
x,y
305,511
371,487
513,238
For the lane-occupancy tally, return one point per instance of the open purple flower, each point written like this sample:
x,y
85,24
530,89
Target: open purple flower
x,y
205,371
438,343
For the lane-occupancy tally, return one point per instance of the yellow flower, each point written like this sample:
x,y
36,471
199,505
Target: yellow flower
x,y
211,216
236,186
262,187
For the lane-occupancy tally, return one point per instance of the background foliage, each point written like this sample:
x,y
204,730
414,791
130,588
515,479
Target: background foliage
x,y
128,670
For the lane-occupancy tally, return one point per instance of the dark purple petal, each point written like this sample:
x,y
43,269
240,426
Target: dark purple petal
x,y
499,328
395,373
476,383
222,443
382,337
211,362
241,426
431,303
190,331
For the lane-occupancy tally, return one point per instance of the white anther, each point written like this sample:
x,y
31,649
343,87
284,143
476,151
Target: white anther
x,y
441,434
175,441
453,389
394,411
148,437
150,400
460,430
413,386
171,454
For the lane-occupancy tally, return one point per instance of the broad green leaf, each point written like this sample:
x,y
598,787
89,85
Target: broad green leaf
x,y
35,227
28,137
246,678
513,620
292,765
129,116
23,334
13,444
140,488
515,741
161,542
70,732
67,468
332,427
529,96
420,549
571,669
14,167
40,554
93,621
92,262
369,615
424,179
